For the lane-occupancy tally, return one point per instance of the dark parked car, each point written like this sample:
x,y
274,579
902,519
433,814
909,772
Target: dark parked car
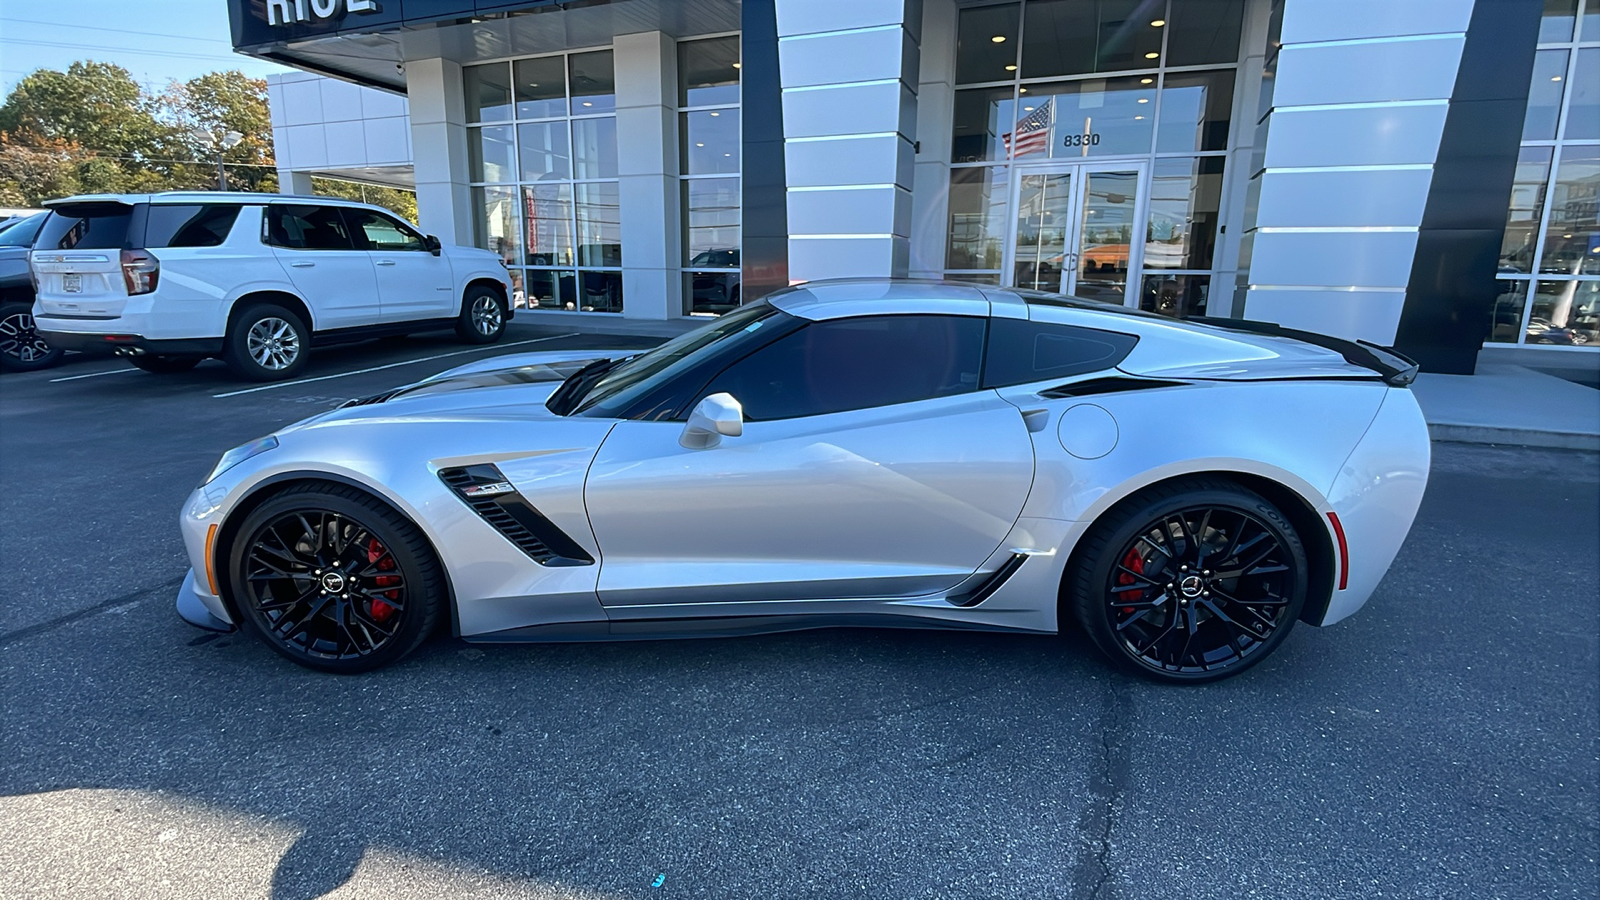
x,y
716,292
21,348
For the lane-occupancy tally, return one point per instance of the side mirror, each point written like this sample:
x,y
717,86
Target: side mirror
x,y
713,417
433,244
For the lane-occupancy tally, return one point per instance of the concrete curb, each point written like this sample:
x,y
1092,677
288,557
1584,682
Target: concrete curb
x,y
1513,437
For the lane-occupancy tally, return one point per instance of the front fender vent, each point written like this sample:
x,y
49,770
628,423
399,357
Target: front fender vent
x,y
492,497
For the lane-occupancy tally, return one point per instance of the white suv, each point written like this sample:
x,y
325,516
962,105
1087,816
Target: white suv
x,y
256,279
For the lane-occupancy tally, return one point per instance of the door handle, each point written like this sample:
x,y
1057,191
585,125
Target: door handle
x,y
302,265
385,262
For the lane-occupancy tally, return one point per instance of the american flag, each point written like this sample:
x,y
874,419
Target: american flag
x,y
1032,133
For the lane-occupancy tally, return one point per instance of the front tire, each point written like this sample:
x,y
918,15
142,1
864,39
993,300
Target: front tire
x,y
334,580
267,343
483,316
21,347
1191,582
164,365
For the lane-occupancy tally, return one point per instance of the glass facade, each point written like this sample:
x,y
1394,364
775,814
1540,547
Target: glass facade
x,y
1042,83
1550,259
542,154
709,138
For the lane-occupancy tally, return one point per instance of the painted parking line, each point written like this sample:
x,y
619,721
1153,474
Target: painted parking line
x,y
405,362
94,374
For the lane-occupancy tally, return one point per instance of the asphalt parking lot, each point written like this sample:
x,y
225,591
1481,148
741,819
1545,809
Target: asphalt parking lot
x,y
1442,743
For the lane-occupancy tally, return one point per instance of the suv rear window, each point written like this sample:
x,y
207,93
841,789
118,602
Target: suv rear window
x,y
86,226
189,224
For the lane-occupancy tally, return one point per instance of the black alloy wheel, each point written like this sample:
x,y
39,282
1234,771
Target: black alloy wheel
x,y
334,580
164,365
22,349
1191,583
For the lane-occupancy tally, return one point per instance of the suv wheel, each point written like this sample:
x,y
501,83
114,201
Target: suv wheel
x,y
21,347
483,316
267,343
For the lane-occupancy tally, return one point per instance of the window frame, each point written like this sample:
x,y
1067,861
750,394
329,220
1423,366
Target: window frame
x,y
687,272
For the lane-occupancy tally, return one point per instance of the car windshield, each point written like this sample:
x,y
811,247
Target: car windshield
x,y
635,377
21,232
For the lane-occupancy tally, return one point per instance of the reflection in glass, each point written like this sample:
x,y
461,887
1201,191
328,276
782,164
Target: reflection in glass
x,y
541,87
981,117
496,227
599,224
1044,215
1175,295
1074,37
1195,107
1557,22
594,147
974,277
711,213
708,72
547,217
1522,218
710,142
712,292
490,153
1565,313
1583,110
1096,116
549,289
977,218
600,291
1544,95
1572,241
543,147
1107,235
1204,31
1506,322
1185,195
979,57
488,92
594,83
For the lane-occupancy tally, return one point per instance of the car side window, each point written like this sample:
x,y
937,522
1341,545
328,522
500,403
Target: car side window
x,y
379,232
305,227
856,363
1021,351
188,225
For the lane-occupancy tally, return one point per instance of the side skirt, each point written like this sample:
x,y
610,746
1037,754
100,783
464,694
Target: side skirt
x,y
722,626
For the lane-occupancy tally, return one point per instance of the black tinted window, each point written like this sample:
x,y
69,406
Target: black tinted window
x,y
20,233
188,225
307,228
379,232
856,363
86,226
1021,351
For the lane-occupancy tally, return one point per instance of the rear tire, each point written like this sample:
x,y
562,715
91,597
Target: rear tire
x,y
483,316
267,343
164,365
1190,582
21,347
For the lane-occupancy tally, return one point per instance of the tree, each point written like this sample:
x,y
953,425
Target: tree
x,y
96,106
217,103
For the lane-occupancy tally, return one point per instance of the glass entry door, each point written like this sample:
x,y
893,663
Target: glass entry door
x,y
1074,229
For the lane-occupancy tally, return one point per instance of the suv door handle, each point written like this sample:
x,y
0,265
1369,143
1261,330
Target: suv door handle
x,y
302,265
385,262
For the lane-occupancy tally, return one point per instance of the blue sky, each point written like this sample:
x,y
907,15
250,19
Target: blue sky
x,y
156,41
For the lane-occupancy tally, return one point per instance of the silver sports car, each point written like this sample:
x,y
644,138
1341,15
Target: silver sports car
x,y
839,454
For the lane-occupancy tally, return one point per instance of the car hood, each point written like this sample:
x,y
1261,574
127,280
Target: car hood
x,y
515,385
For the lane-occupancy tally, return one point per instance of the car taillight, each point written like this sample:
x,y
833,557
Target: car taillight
x,y
140,271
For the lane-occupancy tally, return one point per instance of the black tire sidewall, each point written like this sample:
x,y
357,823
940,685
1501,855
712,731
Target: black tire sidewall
x,y
1087,582
417,618
237,355
464,326
12,364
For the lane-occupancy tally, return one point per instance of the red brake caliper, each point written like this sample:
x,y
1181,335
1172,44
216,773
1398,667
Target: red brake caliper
x,y
381,611
1135,563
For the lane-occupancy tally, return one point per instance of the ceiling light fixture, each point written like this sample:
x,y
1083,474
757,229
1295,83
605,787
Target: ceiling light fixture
x,y
1027,109
1147,81
715,114
587,103
1011,68
737,65
1137,118
998,39
1555,78
1144,99
1158,22
1152,55
699,145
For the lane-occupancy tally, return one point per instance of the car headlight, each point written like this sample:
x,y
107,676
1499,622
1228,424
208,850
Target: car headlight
x,y
241,453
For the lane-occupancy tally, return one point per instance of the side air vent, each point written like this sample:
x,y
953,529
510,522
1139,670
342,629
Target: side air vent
x,y
1111,385
989,585
491,496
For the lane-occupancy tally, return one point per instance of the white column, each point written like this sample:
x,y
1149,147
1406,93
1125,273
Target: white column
x,y
291,182
439,148
647,170
936,97
849,72
1358,106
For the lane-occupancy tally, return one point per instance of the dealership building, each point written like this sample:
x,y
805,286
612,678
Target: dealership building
x,y
1416,173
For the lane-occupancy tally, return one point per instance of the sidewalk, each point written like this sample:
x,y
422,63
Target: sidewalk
x,y
1505,404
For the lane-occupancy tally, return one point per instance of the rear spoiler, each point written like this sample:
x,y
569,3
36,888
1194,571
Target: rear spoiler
x,y
1396,369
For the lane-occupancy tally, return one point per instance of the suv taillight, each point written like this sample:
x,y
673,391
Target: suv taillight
x,y
140,271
